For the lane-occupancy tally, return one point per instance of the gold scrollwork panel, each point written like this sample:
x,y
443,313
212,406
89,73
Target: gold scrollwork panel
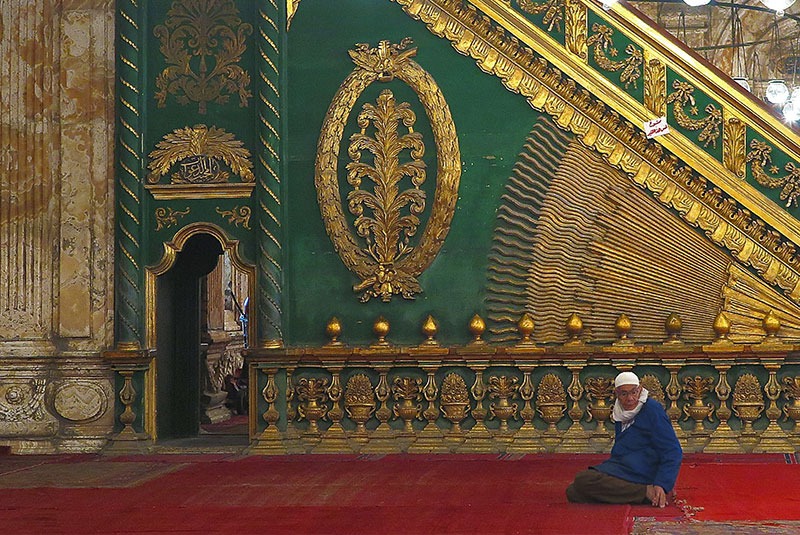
x,y
381,254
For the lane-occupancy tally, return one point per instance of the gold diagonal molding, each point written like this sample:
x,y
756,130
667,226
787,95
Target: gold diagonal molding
x,y
661,46
622,145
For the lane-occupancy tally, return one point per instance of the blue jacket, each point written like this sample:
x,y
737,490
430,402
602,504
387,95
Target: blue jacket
x,y
648,451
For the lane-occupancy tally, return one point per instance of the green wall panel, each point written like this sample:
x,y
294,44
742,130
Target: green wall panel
x,y
696,110
775,170
615,51
491,123
225,112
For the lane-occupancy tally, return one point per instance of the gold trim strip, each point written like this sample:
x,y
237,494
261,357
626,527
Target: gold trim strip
x,y
685,65
229,190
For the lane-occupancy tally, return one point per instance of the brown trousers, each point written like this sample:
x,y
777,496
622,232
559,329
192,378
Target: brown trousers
x,y
593,486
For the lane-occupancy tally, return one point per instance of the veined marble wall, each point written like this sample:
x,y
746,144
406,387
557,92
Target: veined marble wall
x,y
56,223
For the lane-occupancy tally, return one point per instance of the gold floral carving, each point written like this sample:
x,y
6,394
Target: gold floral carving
x,y
385,260
237,215
748,402
734,146
575,28
167,217
198,151
762,168
654,388
553,14
202,42
655,87
313,397
551,400
791,391
599,390
454,399
709,126
359,400
407,390
603,45
503,388
728,225
695,389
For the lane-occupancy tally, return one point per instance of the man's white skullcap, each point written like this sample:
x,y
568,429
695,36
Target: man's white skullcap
x,y
626,378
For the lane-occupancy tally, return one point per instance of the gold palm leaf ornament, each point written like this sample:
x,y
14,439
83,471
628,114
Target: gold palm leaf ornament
x,y
199,151
387,231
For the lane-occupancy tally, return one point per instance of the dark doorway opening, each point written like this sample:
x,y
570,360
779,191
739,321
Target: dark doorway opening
x,y
179,312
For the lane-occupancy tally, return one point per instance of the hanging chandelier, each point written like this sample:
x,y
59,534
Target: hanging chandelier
x,y
778,6
757,56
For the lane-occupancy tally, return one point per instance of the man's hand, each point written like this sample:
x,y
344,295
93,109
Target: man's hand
x,y
656,495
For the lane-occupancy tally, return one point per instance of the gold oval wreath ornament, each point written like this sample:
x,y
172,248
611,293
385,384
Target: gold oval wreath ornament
x,y
386,218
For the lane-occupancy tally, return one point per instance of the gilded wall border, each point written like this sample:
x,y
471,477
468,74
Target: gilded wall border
x,y
128,284
664,47
269,168
622,144
575,29
734,140
655,85
306,403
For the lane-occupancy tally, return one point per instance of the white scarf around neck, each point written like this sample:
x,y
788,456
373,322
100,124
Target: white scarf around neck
x,y
625,418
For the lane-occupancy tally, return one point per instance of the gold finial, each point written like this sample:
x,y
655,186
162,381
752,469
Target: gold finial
x,y
673,326
622,326
334,330
476,328
525,326
771,324
722,327
574,328
429,329
381,329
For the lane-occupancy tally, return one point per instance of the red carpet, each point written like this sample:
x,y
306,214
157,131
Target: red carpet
x,y
742,487
396,494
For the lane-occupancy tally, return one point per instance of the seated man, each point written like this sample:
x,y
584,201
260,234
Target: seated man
x,y
645,458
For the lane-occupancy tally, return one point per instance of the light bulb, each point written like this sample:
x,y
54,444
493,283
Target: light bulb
x,y
696,3
607,4
742,81
791,111
777,92
778,5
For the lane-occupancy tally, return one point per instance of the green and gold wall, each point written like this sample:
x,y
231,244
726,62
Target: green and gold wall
x,y
454,228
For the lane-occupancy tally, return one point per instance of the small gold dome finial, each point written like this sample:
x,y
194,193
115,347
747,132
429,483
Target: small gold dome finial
x,y
622,326
771,324
429,329
673,326
476,328
381,329
525,326
574,326
334,330
722,326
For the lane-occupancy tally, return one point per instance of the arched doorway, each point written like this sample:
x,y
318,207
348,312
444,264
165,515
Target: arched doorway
x,y
197,296
180,337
